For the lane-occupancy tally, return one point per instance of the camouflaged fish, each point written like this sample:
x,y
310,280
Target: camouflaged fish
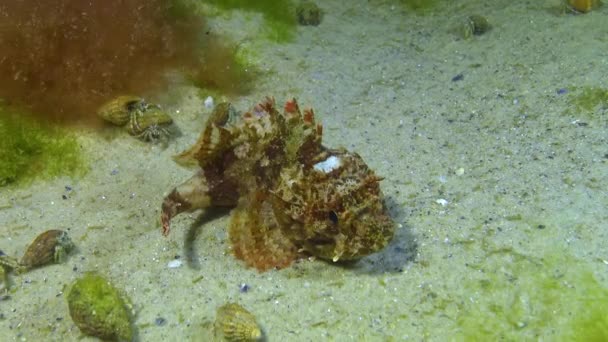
x,y
292,196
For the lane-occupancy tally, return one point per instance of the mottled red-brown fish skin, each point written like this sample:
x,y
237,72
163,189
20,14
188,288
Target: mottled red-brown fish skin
x,y
271,167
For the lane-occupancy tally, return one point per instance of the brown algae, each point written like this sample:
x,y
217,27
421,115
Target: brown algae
x,y
62,64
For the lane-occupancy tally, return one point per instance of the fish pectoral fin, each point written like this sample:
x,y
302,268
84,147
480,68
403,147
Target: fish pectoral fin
x,y
191,195
258,240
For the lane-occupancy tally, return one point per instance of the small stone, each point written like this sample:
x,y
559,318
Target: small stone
x,y
209,102
244,288
175,263
443,202
160,321
458,77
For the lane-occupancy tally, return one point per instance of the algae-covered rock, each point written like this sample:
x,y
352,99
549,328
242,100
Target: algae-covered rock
x,y
98,309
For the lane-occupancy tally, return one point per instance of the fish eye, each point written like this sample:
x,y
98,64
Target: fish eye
x,y
333,217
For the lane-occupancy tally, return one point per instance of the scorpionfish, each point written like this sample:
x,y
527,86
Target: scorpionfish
x,y
292,196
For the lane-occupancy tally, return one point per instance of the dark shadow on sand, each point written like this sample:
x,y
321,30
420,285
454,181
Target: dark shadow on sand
x,y
190,252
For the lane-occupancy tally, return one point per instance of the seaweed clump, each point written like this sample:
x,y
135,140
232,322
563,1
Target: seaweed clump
x,y
31,149
62,59
589,98
278,15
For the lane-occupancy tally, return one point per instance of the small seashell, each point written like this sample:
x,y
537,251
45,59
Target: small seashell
x,y
52,246
149,124
141,119
118,111
152,116
474,25
234,323
308,13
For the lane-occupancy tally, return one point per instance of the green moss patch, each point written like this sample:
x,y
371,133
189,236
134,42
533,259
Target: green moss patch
x,y
279,15
31,150
420,6
586,100
523,298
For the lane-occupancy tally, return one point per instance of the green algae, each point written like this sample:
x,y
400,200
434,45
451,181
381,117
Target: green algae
x,y
523,298
420,6
278,15
33,150
98,309
590,322
181,9
588,99
234,73
227,68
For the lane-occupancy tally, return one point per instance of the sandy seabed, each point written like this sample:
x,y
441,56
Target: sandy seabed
x,y
496,180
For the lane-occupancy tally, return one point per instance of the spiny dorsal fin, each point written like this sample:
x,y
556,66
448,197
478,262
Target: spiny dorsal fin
x,y
214,139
